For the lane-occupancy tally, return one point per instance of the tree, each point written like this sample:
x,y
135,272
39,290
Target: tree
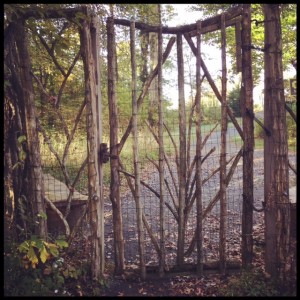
x,y
19,93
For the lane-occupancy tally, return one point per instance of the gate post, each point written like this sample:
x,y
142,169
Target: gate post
x,y
95,200
248,129
95,28
277,214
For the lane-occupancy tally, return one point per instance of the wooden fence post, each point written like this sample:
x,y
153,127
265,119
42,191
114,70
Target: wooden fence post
x,y
97,256
277,213
248,129
95,28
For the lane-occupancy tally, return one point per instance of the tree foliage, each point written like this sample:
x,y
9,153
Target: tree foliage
x,y
288,22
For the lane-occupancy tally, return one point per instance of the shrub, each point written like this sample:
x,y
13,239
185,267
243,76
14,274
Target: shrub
x,y
33,268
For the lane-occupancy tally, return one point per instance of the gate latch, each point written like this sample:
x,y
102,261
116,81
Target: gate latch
x,y
104,155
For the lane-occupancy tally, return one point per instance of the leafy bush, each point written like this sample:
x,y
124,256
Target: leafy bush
x,y
33,268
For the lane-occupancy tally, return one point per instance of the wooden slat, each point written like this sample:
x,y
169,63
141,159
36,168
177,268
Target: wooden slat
x,y
223,195
114,151
198,154
161,153
182,151
139,208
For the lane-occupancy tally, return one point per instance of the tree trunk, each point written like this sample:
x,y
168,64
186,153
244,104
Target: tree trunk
x,y
35,184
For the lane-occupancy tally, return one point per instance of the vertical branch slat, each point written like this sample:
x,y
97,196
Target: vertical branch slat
x,y
198,153
92,139
161,151
248,129
276,176
139,209
95,33
182,152
223,196
114,150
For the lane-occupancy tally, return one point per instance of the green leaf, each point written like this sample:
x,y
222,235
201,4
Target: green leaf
x,y
39,244
44,254
24,247
53,249
61,243
32,257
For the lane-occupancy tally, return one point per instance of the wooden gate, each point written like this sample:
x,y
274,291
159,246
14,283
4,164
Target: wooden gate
x,y
175,189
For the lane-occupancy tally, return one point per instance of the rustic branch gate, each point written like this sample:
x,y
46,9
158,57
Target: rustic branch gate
x,y
184,201
183,174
